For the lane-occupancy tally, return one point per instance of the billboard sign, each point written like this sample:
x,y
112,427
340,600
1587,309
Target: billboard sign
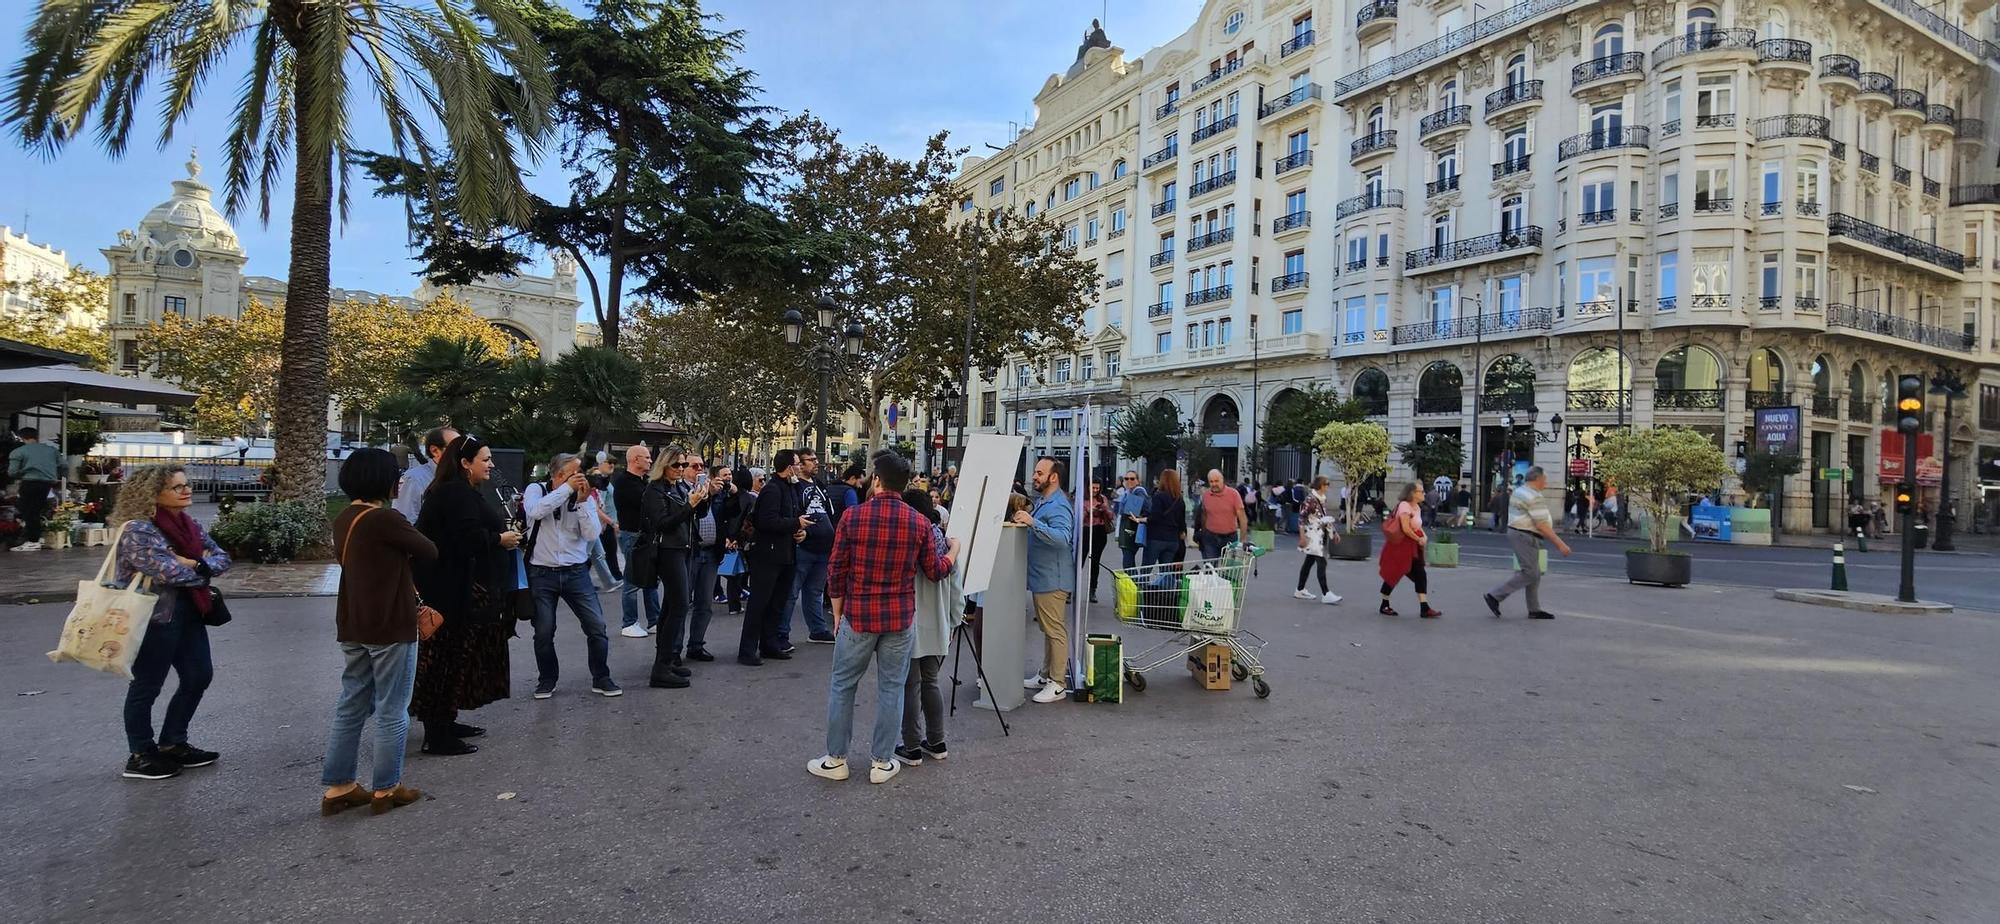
x,y
1778,430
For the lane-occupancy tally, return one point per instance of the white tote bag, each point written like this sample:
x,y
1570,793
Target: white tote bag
x,y
1211,606
107,624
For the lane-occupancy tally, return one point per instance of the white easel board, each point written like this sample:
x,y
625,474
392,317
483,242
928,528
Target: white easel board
x,y
979,505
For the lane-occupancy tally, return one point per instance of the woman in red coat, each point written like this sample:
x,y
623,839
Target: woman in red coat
x,y
1403,553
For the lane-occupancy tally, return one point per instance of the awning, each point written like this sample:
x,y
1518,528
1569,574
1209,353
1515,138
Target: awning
x,y
33,386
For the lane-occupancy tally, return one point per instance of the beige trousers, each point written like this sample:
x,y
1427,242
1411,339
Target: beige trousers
x,y
1049,614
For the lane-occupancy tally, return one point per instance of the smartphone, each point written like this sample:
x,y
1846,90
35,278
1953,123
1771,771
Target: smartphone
x,y
701,480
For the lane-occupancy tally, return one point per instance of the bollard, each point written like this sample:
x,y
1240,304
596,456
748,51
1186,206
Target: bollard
x,y
1839,567
1860,539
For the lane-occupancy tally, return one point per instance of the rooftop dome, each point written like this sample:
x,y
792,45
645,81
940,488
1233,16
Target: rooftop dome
x,y
190,212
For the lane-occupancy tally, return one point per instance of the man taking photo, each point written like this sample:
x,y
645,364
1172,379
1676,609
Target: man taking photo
x,y
562,522
809,591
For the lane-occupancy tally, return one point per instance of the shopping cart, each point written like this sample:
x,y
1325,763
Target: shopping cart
x,y
1164,590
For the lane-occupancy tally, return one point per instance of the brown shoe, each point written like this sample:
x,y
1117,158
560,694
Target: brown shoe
x,y
394,798
334,805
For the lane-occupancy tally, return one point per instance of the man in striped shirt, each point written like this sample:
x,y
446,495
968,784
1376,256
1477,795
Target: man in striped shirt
x,y
878,549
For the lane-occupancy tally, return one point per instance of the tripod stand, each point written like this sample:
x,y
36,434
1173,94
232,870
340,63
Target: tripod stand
x,y
961,640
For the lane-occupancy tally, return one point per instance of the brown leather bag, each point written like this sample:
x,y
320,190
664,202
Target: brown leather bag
x,y
428,619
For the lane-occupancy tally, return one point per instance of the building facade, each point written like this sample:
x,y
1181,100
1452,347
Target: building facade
x,y
23,261
1478,220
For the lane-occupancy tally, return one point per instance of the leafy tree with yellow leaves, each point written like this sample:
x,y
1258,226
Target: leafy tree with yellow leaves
x,y
64,314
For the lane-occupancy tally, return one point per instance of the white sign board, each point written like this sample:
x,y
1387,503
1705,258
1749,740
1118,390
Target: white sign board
x,y
979,506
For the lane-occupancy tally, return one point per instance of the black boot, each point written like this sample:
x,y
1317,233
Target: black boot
x,y
665,676
439,741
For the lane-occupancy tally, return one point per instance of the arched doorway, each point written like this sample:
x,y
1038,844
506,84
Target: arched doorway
x,y
1688,378
1508,387
1371,388
1287,462
1767,380
519,341
1220,423
1439,389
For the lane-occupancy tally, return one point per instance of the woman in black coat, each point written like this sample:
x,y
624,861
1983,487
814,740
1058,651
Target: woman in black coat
x,y
731,512
463,665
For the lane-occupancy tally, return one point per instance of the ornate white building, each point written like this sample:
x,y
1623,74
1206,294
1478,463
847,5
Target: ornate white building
x,y
23,260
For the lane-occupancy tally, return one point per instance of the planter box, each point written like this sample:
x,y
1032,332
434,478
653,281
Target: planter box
x,y
1264,538
56,538
96,535
1355,545
1441,554
1666,569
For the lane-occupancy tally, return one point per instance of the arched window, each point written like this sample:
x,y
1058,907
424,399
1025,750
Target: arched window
x,y
1448,94
1857,393
1688,378
1885,391
1598,377
1118,169
1822,377
1700,20
1376,121
1767,371
1517,70
1509,385
1610,40
1513,215
1438,389
1441,230
1371,388
1220,416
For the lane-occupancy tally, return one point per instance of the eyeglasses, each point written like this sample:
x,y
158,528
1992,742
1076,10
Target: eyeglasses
x,y
1131,478
181,487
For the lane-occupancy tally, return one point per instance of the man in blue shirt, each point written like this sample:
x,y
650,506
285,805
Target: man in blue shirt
x,y
1051,572
1131,532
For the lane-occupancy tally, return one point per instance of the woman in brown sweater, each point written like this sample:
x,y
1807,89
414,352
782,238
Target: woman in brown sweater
x,y
376,624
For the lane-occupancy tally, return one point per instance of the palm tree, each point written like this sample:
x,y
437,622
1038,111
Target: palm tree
x,y
424,64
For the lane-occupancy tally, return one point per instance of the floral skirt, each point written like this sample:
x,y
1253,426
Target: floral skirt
x,y
462,666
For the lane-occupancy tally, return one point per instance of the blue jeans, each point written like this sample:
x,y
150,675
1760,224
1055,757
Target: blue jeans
x,y
598,565
180,644
1211,543
809,592
851,652
572,585
376,681
1130,555
629,593
1162,551
701,595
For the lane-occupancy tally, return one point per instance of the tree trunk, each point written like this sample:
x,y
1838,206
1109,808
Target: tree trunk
x,y
300,467
614,250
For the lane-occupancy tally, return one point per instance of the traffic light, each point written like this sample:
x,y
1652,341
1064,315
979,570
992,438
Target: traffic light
x,y
1910,404
1905,493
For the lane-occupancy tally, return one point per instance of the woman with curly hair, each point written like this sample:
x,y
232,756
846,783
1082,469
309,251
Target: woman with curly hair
x,y
158,540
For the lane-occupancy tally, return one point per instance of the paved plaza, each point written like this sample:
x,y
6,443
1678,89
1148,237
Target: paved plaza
x,y
1702,754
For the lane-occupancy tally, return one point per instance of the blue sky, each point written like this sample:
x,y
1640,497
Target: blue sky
x,y
886,71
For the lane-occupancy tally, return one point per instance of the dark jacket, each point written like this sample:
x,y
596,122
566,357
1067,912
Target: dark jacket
x,y
668,516
777,518
1166,518
730,509
466,530
815,501
627,491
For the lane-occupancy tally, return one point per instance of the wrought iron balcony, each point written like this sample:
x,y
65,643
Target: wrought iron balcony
x,y
1162,258
1355,266
1709,300
1770,209
1599,217
1871,162
1932,188
1505,322
1840,67
1212,184
1160,156
1713,205
1495,402
1795,125
1166,109
1443,119
1794,51
1604,139
1288,282
1876,83
1602,307
1806,303
1378,9
1291,162
1938,114
1667,303
1670,128
1687,399
1840,224
1912,100
1371,143
1440,404
1513,94
1758,400
1228,68
1826,406
1869,321
1972,130
1670,210
1511,166
1214,128
1210,294
1165,207
1303,94
1114,234
1592,71
1440,185
1599,399
1716,120
1770,303
1691,43
1485,245
1212,238
1839,149
1982,194
1860,410
1354,205
1160,310
1301,40
1292,222
1114,283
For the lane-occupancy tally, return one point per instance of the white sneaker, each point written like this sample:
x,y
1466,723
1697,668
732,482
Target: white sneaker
x,y
28,547
1331,599
1051,692
1304,594
652,630
828,768
1035,683
633,631
882,771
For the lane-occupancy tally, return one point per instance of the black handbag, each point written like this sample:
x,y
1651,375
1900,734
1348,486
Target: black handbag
x,y
218,610
642,567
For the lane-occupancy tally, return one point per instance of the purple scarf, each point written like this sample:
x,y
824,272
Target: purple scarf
x,y
185,536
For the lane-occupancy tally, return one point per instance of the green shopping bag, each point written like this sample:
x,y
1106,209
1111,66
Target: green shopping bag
x,y
1107,668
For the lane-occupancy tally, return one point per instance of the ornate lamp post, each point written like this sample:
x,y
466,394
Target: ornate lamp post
x,y
1952,387
828,345
945,403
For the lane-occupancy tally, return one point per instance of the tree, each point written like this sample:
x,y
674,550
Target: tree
x,y
1429,457
1655,469
1764,471
719,374
461,377
1359,450
231,363
1146,432
1294,420
65,314
378,338
425,66
599,389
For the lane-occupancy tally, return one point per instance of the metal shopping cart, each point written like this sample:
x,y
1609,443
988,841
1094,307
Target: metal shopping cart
x,y
1163,604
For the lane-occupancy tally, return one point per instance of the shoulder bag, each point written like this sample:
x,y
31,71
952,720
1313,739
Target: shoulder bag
x,y
108,622
428,619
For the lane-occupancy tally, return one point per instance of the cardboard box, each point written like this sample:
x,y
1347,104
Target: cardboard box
x,y
1210,666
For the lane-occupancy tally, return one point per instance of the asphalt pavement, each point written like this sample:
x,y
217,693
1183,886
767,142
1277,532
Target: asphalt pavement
x,y
1701,754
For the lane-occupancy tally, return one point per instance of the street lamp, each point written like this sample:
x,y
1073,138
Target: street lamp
x,y
828,345
945,402
1510,424
1952,387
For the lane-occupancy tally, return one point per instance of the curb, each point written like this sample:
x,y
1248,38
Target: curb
x,y
1868,603
69,596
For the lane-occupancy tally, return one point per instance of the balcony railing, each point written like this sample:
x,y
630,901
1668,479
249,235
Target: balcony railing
x,y
1876,83
1440,404
1216,127
1370,143
1860,410
1806,303
1979,48
1667,303
1212,184
1513,94
1937,114
1839,149
1601,307
1840,224
1599,217
1292,222
1770,209
1228,68
1440,185
1301,40
1670,128
1379,9
1382,199
1705,40
1794,50
1932,187
1287,101
1714,205
1670,210
1687,399
1160,156
1288,282
1162,258
1900,174
1212,238
1447,43
1840,66
1599,399
1871,163
1443,119
1758,400
1972,129
1291,162
1912,100
1355,266
1715,120
1770,303
1160,310
1505,322
1709,300
1495,402
1981,194
1826,406
1164,207
1795,125
1474,247
1166,109
1869,321
1631,62
1210,294
1603,139
1511,166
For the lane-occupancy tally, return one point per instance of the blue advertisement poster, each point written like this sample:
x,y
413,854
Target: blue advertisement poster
x,y
1710,523
1778,430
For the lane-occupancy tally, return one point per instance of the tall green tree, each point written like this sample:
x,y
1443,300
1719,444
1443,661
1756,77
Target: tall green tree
x,y
1143,431
471,67
1293,421
1432,456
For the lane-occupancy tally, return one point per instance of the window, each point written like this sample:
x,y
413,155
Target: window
x,y
1448,94
1670,186
1610,40
1357,316
1357,250
1441,231
986,406
1711,277
1608,121
1371,183
1295,262
1021,375
175,304
1166,192
1297,142
1805,276
1376,122
1806,184
1119,169
1382,248
1599,195
1382,312
1562,287
1507,296
1700,21
1710,185
1222,327
1233,24
1163,341
1062,370
993,189
1228,161
965,205
1072,188
1515,146
1092,178
1302,26
1110,364
1670,265
1090,229
1771,186
1517,71
1670,101
1194,336
1062,425
1714,95
1441,300
128,354
131,306
1118,219
1235,101
1447,166
1513,214
1295,202
1167,293
1767,282
1114,314
1593,281
1292,322
1166,243
1070,235
1041,425
1031,210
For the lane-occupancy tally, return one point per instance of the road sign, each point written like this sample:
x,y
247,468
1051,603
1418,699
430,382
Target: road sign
x,y
1833,474
1582,468
937,442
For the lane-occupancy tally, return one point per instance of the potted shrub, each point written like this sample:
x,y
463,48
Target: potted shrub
x,y
1361,452
1653,470
93,470
270,532
1442,550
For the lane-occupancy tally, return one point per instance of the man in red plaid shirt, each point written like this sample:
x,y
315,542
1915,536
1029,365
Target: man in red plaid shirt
x,y
878,549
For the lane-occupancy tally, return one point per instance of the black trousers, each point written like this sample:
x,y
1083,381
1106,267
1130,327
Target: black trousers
x,y
770,585
1419,579
1098,535
34,505
673,606
1305,567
